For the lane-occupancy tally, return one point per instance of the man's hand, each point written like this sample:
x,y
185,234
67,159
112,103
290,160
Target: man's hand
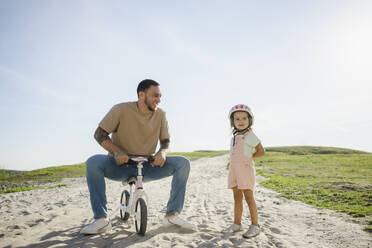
x,y
121,158
159,159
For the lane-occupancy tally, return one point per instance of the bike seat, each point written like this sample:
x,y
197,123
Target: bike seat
x,y
131,180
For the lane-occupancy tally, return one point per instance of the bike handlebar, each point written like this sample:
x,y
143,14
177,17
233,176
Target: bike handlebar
x,y
136,160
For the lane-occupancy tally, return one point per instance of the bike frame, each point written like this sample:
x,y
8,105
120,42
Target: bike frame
x,y
138,190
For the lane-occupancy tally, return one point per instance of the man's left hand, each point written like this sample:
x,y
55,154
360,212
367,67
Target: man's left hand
x,y
159,159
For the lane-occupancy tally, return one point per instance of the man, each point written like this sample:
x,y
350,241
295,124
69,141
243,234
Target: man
x,y
136,129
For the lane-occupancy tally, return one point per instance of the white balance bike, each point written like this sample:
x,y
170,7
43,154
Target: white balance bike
x,y
133,202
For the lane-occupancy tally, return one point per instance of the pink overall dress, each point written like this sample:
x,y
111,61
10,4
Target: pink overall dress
x,y
242,173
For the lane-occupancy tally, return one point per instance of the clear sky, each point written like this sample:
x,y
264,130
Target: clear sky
x,y
304,67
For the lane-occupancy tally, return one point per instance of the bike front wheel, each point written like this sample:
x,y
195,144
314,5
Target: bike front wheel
x,y
124,200
141,216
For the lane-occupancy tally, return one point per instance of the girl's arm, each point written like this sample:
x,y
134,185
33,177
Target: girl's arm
x,y
260,151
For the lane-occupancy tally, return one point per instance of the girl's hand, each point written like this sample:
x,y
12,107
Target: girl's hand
x,y
260,151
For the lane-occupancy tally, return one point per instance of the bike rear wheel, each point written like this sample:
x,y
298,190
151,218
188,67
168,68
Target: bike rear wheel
x,y
141,216
124,200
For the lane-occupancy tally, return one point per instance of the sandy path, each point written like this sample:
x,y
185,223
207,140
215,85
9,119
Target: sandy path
x,y
53,217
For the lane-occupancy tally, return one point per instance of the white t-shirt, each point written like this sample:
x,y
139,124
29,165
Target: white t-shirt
x,y
250,143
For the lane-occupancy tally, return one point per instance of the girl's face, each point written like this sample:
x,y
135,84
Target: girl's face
x,y
241,120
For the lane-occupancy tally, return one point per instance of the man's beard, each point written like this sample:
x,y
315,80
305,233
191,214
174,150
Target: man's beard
x,y
148,105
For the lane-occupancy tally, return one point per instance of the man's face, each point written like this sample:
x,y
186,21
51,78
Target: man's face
x,y
152,97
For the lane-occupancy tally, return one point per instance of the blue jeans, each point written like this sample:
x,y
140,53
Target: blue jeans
x,y
101,166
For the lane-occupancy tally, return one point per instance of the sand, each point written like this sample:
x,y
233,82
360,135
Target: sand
x,y
54,217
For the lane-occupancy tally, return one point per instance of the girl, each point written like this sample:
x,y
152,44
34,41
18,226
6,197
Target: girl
x,y
244,147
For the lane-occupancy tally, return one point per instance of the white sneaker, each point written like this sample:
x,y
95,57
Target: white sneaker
x,y
231,229
97,226
176,220
252,231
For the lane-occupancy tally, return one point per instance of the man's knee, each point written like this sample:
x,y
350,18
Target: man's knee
x,y
92,163
184,164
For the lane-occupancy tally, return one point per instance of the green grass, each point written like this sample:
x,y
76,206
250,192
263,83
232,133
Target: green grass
x,y
368,228
13,181
16,189
199,154
333,178
49,174
307,150
16,181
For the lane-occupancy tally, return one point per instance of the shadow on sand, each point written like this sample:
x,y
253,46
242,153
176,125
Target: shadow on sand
x,y
123,234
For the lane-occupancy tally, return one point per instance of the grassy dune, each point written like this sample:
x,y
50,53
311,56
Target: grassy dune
x,y
198,154
331,178
13,181
308,150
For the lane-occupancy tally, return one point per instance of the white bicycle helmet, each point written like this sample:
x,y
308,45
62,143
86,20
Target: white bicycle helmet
x,y
241,107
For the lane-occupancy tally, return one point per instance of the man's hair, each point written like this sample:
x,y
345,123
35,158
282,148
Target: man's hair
x,y
145,84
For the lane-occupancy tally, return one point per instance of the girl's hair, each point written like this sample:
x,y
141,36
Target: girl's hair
x,y
233,128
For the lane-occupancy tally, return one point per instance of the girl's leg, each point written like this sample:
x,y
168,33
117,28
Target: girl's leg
x,y
249,198
238,205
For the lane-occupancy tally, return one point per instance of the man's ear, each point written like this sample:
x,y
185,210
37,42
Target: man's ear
x,y
141,95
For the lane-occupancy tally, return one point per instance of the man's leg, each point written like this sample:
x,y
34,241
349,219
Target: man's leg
x,y
99,167
179,167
